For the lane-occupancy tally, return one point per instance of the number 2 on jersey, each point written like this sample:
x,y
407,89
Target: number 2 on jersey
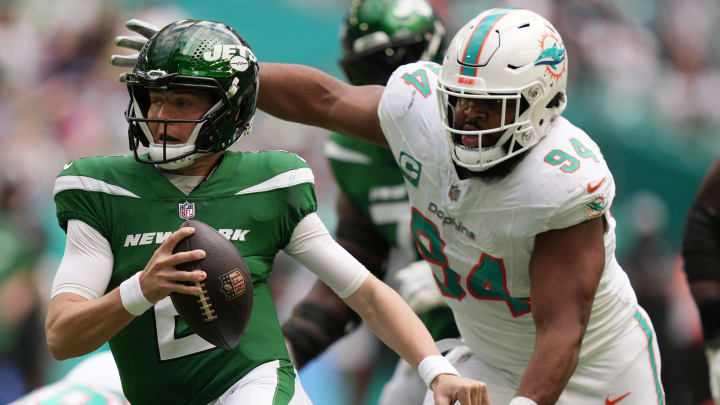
x,y
172,342
486,281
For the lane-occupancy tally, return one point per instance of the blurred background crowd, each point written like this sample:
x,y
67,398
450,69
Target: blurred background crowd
x,y
643,80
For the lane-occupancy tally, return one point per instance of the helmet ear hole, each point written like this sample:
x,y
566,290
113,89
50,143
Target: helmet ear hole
x,y
556,101
524,105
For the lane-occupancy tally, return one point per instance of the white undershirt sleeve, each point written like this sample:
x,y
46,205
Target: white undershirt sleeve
x,y
312,246
87,263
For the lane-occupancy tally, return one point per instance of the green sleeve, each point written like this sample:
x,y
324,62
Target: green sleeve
x,y
301,201
74,202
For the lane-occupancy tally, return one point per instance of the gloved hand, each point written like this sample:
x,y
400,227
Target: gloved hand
x,y
146,30
418,287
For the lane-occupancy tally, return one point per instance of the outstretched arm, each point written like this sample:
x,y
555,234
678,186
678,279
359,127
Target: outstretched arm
x,y
294,93
562,290
308,96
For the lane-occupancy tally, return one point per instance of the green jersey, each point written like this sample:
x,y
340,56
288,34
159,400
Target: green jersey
x,y
369,176
254,199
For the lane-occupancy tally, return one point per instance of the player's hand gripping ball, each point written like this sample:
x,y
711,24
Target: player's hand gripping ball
x,y
221,314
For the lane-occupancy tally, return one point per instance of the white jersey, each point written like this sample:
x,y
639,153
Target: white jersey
x,y
95,380
479,237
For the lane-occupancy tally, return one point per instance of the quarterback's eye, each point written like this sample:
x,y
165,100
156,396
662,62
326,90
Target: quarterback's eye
x,y
156,101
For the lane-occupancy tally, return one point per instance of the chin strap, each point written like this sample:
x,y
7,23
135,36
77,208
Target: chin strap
x,y
181,163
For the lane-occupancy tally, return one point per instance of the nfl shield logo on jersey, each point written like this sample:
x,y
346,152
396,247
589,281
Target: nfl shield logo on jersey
x,y
186,210
454,192
233,284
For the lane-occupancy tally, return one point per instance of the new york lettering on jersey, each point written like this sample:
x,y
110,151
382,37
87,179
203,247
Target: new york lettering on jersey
x,y
253,199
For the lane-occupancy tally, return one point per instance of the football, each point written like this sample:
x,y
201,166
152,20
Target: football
x,y
221,314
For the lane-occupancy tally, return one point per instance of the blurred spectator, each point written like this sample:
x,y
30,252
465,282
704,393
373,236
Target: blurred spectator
x,y
20,314
662,290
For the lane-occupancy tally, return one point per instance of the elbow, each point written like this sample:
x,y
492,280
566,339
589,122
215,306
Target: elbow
x,y
569,335
57,343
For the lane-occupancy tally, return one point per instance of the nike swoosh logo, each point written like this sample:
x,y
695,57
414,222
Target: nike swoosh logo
x,y
591,189
67,165
609,401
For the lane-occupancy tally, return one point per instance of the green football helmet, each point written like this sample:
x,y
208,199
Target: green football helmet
x,y
378,36
194,55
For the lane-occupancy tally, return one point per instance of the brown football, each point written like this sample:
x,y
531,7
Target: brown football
x,y
222,313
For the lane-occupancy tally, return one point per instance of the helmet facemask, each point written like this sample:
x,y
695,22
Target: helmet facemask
x,y
503,138
205,136
193,56
513,56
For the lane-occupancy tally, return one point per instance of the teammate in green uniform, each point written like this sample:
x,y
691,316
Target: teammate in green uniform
x,y
192,94
378,36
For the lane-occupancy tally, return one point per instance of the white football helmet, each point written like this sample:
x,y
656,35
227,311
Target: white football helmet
x,y
503,54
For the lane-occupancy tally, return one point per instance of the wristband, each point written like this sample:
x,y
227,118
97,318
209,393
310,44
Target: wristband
x,y
432,366
132,296
522,401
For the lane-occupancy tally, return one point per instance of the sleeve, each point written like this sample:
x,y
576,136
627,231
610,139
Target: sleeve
x,y
73,201
87,263
312,246
589,200
300,200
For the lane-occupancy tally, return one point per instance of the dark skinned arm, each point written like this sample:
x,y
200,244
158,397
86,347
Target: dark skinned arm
x,y
308,96
565,270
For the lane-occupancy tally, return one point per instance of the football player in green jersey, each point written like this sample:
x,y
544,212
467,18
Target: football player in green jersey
x,y
192,94
377,37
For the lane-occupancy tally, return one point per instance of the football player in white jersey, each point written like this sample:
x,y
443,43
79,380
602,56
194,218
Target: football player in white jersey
x,y
94,380
510,206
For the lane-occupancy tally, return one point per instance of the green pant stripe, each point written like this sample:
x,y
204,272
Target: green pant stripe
x,y
648,334
285,388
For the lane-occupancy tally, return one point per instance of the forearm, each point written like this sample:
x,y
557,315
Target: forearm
x,y
552,363
296,93
308,96
393,321
78,326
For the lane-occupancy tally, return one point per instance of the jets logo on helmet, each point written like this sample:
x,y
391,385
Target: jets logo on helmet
x,y
228,51
195,56
515,59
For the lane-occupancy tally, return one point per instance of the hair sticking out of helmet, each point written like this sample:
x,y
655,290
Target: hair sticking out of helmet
x,y
378,36
506,63
193,56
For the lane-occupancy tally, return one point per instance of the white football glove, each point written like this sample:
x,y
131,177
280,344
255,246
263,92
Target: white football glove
x,y
146,30
713,357
418,288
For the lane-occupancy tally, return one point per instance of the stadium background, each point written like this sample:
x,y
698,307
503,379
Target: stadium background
x,y
644,79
